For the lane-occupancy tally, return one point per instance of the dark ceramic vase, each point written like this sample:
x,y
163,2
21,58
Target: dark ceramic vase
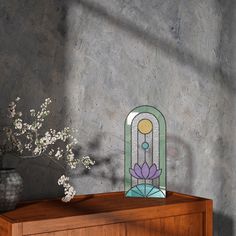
x,y
11,186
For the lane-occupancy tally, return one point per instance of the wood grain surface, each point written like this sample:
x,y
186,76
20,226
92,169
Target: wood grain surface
x,y
111,214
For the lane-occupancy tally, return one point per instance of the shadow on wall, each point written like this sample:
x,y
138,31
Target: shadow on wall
x,y
226,226
179,158
222,72
106,168
224,221
32,66
32,45
182,55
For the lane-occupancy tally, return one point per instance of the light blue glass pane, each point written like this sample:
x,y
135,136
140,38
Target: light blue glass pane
x,y
145,190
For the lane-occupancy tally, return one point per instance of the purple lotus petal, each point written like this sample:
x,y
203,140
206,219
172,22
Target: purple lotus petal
x,y
145,170
138,170
132,172
152,171
157,174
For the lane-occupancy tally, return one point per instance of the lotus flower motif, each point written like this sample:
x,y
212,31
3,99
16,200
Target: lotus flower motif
x,y
145,172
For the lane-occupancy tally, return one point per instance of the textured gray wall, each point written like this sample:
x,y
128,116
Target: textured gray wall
x,y
32,65
99,59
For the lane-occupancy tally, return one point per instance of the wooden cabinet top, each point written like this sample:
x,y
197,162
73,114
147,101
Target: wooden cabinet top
x,y
99,209
91,204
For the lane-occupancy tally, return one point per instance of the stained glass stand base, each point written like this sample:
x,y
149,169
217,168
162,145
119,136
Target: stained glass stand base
x,y
145,190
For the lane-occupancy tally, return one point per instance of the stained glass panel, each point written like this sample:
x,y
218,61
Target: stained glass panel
x,y
145,150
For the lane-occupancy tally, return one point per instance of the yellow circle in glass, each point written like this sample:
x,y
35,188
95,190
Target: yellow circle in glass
x,y
145,126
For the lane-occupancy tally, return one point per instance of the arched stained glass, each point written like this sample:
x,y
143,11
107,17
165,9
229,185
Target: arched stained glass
x,y
145,153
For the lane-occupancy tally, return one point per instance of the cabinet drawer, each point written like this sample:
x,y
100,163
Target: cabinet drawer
x,y
103,230
183,225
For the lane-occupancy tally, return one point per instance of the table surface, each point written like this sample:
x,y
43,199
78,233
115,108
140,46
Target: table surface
x,y
90,204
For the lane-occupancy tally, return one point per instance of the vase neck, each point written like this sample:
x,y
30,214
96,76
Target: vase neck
x,y
7,170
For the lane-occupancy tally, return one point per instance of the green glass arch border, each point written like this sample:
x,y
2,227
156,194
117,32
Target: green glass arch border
x,y
128,144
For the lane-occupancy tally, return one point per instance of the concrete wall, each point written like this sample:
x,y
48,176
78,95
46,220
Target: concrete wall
x,y
100,59
32,65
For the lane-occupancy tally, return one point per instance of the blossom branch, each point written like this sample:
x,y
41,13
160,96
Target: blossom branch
x,y
25,138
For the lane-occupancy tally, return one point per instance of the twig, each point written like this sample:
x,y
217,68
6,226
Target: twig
x,y
51,158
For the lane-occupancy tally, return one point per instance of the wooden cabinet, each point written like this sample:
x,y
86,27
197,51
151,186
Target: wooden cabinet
x,y
111,214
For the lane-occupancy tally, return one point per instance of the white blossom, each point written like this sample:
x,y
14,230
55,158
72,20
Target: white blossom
x,y
58,154
37,151
70,156
56,144
68,189
18,123
87,162
28,146
32,112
